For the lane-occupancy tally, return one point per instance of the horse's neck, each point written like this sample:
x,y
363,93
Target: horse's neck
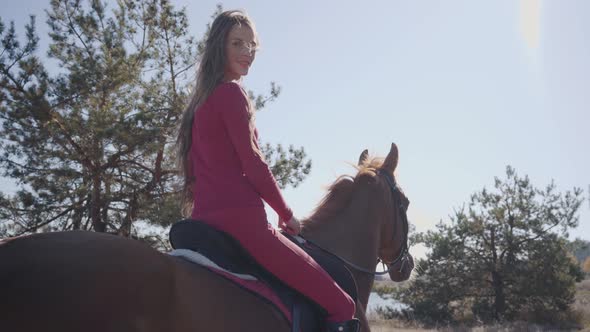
x,y
353,237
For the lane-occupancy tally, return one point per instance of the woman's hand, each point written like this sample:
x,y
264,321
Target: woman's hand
x,y
292,227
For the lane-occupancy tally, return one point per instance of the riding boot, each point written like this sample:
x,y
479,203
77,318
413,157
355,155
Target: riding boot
x,y
353,325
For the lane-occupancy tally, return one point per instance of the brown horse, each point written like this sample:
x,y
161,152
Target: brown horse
x,y
87,281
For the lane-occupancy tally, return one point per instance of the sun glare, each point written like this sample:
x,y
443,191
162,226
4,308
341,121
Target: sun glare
x,y
530,22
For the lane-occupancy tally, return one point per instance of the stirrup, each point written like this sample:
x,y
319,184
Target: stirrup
x,y
353,325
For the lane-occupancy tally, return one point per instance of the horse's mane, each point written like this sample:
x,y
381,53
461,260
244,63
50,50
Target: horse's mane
x,y
340,193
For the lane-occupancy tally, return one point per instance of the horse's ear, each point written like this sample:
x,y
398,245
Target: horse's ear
x,y
391,160
363,157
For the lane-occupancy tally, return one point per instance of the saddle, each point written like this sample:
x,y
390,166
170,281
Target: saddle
x,y
226,257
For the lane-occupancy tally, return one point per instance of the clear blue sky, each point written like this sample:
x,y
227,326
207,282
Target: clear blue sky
x,y
464,88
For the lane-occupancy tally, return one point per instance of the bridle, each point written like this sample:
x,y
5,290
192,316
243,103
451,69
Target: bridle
x,y
403,255
404,252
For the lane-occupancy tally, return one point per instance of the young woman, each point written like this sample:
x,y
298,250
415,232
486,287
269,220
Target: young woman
x,y
226,176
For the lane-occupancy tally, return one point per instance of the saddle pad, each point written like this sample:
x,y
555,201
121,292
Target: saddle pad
x,y
245,281
196,257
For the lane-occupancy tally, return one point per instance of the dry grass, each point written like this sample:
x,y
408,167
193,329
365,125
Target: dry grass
x,y
381,325
581,308
580,313
394,325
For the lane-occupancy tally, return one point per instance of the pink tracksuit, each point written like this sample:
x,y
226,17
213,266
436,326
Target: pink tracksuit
x,y
232,179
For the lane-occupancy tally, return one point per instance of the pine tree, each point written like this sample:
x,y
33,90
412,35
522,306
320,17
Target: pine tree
x,y
502,257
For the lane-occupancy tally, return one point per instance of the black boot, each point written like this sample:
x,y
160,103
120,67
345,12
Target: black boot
x,y
353,325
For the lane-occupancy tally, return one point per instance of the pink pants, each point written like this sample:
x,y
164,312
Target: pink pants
x,y
291,264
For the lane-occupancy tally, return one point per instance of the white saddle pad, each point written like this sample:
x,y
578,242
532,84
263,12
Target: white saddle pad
x,y
197,258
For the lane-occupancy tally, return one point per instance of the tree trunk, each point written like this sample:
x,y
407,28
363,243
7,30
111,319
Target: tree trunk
x,y
499,299
131,215
97,224
77,218
497,283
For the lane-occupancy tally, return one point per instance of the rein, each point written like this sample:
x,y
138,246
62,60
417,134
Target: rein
x,y
344,261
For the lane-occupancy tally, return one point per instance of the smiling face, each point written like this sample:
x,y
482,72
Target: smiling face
x,y
240,49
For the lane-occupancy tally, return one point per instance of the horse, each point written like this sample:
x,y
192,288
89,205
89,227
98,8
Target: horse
x,y
88,281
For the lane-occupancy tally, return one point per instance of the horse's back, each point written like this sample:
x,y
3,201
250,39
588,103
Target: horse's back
x,y
87,281
74,281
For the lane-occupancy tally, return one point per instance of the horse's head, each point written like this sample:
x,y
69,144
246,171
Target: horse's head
x,y
370,203
389,205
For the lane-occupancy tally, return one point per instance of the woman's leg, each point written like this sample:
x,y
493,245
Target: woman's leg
x,y
296,268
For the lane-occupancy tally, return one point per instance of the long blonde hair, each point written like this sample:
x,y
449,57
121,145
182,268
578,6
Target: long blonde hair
x,y
210,73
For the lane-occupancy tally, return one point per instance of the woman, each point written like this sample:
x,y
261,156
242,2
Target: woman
x,y
226,176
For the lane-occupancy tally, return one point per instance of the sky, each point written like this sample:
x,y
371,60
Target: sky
x,y
464,88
